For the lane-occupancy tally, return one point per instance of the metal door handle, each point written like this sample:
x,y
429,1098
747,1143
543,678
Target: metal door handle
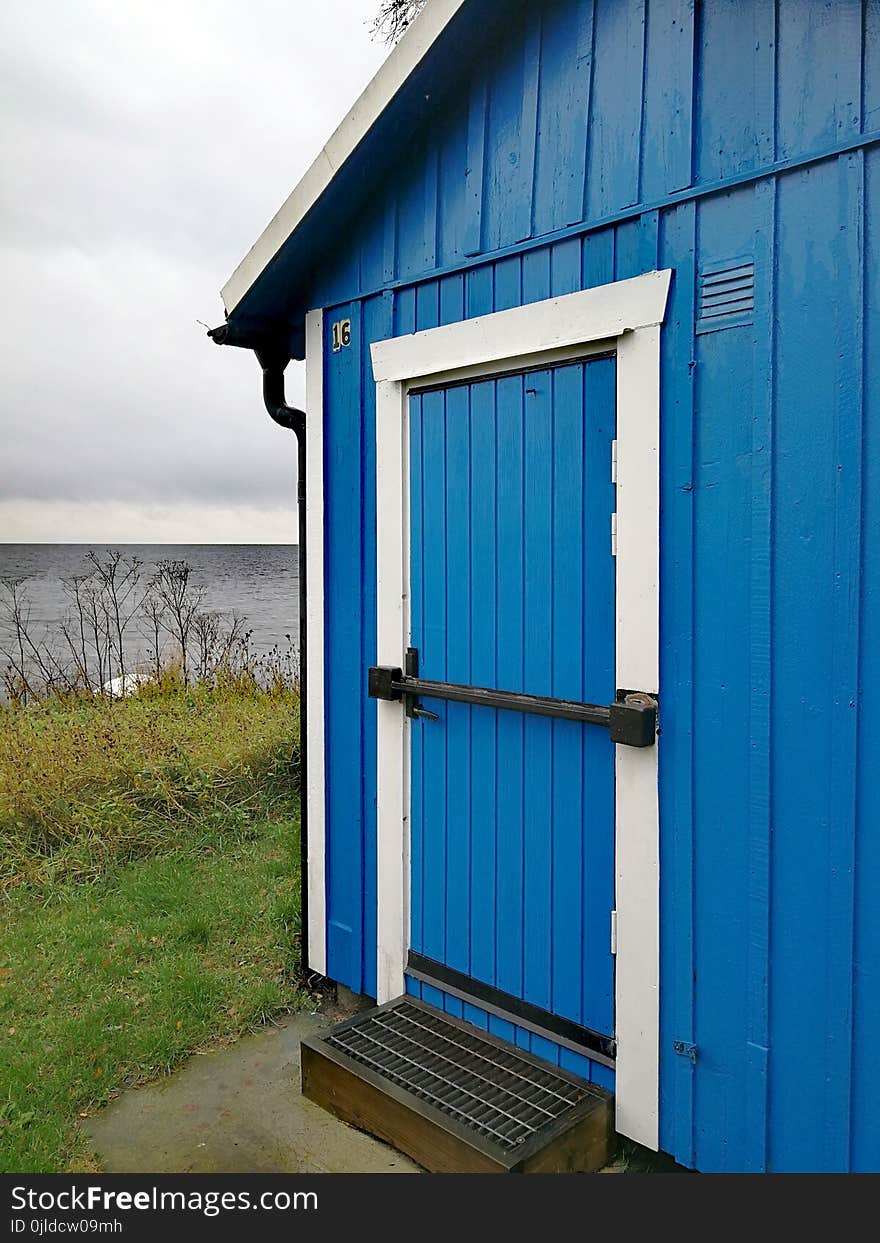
x,y
631,719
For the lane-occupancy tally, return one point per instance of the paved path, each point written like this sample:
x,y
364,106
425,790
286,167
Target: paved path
x,y
235,1111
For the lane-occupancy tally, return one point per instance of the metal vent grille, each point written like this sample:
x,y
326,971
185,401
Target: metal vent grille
x,y
725,295
493,1091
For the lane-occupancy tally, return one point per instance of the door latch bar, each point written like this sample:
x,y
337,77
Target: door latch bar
x,y
393,684
631,719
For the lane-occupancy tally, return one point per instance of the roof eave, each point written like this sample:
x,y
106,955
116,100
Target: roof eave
x,y
395,72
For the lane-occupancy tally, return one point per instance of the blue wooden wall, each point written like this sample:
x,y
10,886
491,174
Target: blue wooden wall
x,y
602,139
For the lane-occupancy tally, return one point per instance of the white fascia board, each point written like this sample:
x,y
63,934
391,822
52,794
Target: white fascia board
x,y
406,57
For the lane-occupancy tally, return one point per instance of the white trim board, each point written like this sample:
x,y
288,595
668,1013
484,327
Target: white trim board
x,y
411,50
626,314
314,725
539,327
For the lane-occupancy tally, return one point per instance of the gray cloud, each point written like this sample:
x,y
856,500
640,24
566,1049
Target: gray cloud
x,y
145,145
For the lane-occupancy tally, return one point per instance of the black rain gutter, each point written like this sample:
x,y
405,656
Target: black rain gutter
x,y
273,360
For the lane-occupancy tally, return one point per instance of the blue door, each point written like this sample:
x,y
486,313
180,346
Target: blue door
x,y
512,581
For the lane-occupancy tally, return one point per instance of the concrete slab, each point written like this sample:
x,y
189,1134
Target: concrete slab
x,y
237,1111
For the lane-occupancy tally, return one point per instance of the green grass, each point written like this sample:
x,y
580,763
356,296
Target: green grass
x,y
141,930
88,782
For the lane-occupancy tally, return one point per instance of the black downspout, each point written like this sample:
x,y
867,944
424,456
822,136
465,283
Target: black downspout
x,y
295,420
273,361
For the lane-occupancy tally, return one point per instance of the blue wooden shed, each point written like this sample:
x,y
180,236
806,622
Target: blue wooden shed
x,y
588,293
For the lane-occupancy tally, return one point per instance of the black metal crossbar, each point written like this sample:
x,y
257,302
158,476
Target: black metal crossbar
x,y
631,719
511,701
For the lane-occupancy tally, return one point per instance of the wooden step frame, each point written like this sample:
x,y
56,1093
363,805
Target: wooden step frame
x,y
581,1141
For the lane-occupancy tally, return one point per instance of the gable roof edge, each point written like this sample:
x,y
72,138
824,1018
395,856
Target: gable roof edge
x,y
393,74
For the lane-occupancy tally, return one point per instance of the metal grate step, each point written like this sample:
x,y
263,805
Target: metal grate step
x,y
488,1095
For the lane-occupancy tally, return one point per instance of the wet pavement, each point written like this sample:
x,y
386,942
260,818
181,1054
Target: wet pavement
x,y
234,1111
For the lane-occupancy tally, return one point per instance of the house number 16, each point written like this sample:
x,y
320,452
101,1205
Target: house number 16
x,y
341,335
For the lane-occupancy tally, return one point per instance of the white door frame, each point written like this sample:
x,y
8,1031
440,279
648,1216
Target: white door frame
x,y
625,314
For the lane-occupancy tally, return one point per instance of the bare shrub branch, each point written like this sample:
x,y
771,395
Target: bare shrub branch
x,y
88,651
117,581
153,626
394,16
172,586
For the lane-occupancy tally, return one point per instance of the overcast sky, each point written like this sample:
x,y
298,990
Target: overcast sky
x,y
145,145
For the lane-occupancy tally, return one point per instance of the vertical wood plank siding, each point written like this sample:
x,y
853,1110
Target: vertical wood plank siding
x,y
770,494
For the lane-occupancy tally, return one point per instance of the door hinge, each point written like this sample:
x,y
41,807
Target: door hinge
x,y
684,1049
614,461
614,535
614,932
